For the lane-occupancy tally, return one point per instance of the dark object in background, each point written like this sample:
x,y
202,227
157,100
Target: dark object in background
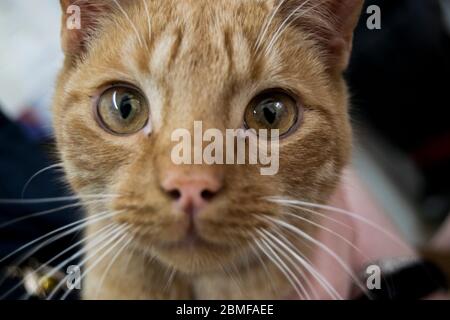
x,y
20,159
397,285
399,77
440,258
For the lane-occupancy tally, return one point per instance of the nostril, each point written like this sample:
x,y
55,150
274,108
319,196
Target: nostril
x,y
174,194
207,195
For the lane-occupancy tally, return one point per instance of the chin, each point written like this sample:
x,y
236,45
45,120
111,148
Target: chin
x,y
194,256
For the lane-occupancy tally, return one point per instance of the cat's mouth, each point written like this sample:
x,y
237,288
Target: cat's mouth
x,y
191,242
186,247
186,235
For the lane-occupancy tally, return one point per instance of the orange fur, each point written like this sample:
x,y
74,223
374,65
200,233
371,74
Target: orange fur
x,y
196,60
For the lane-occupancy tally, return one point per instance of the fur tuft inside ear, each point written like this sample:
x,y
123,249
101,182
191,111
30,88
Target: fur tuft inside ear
x,y
331,22
80,22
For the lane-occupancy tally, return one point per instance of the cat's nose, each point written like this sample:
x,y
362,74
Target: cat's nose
x,y
192,193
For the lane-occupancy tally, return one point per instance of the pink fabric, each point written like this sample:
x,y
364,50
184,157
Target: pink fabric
x,y
442,240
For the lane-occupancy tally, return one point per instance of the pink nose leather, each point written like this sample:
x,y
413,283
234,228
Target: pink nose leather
x,y
191,194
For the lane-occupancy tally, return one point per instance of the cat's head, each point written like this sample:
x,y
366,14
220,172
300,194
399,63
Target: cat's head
x,y
137,71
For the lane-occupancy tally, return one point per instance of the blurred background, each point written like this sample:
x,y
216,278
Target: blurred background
x,y
399,79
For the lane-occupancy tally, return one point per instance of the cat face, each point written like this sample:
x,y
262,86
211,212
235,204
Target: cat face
x,y
139,70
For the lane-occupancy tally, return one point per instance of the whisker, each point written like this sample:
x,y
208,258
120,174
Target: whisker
x,y
266,26
286,23
97,239
302,204
232,277
171,276
47,212
276,262
236,271
298,269
323,247
348,242
263,234
113,260
100,259
264,265
79,225
59,199
58,165
308,266
149,20
138,36
321,215
117,232
62,253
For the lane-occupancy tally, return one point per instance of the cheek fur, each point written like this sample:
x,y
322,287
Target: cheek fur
x,y
92,159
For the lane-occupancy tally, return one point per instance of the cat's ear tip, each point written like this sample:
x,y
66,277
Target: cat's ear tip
x,y
66,3
78,23
333,21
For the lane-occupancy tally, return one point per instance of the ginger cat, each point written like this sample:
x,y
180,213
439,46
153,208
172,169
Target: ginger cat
x,y
135,72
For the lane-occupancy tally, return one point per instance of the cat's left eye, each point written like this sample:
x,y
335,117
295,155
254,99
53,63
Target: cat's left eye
x,y
122,110
273,110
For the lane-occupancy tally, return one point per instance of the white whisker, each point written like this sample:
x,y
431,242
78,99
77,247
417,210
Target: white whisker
x,y
59,199
171,276
284,26
266,26
99,259
308,266
149,20
58,165
321,215
232,277
113,235
263,234
79,225
343,212
138,36
276,261
286,240
62,253
263,263
113,260
47,212
323,247
348,242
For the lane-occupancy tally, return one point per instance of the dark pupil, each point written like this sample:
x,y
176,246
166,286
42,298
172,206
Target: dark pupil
x,y
270,110
126,106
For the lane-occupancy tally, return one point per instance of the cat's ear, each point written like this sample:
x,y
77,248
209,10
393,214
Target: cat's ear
x,y
332,22
80,21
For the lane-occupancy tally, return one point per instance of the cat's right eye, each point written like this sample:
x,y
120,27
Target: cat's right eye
x,y
122,110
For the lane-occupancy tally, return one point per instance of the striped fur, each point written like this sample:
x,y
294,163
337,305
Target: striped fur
x,y
197,60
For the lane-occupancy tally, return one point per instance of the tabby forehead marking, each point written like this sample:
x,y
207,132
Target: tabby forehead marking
x,y
239,53
164,52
